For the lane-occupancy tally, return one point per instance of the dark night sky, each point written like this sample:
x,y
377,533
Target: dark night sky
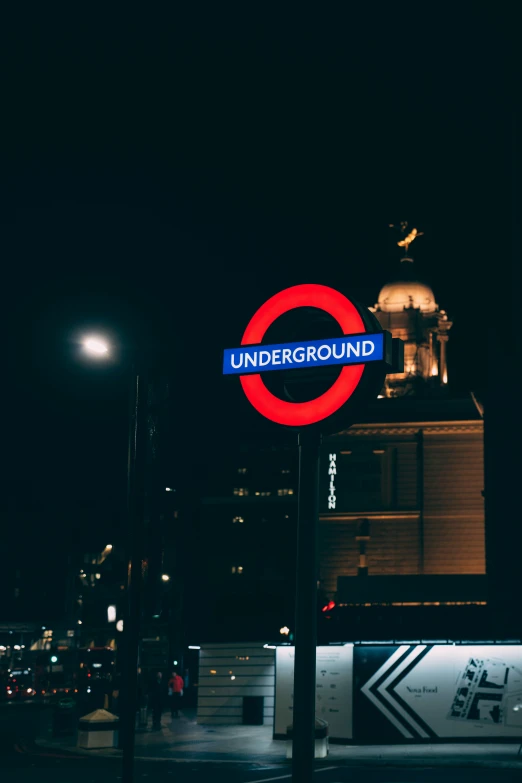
x,y
163,176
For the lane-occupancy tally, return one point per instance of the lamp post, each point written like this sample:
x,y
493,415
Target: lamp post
x,y
98,347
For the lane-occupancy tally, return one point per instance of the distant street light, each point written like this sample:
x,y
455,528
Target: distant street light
x,y
284,630
96,346
165,578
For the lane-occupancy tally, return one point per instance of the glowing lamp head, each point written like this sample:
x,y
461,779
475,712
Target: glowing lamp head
x,y
96,346
165,578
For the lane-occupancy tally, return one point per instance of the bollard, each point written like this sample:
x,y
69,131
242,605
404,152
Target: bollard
x,y
98,729
321,749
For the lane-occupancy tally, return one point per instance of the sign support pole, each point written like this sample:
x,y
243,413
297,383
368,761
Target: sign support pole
x,y
303,736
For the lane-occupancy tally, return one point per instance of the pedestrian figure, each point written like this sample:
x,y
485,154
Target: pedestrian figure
x,y
157,700
142,700
175,693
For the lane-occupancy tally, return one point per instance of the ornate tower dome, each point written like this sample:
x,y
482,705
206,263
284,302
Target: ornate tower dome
x,y
397,296
407,308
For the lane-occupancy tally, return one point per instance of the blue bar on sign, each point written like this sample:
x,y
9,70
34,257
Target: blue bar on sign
x,y
347,349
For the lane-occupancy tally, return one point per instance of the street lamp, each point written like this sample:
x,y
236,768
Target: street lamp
x,y
96,346
100,348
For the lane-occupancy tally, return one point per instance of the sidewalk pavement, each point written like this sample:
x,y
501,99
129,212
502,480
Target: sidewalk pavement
x,y
183,739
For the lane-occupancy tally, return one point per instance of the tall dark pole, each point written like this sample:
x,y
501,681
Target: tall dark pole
x,y
303,743
131,627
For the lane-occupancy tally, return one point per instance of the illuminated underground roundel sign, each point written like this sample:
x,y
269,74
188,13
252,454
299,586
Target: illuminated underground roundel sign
x,y
357,347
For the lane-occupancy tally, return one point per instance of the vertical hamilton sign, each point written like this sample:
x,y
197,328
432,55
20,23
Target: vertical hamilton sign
x,y
361,356
332,475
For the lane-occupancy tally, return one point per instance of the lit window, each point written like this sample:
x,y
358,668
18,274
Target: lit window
x,y
239,520
285,470
263,494
240,569
282,492
237,569
241,492
233,569
242,471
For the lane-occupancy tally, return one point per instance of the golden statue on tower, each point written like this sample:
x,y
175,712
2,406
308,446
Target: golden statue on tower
x,y
407,237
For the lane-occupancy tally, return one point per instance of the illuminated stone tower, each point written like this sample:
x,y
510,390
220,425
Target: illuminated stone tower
x,y
407,308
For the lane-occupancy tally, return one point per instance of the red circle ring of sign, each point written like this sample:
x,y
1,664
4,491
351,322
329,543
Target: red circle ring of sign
x,y
300,414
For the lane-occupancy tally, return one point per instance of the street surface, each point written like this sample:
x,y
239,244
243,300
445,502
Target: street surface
x,y
22,762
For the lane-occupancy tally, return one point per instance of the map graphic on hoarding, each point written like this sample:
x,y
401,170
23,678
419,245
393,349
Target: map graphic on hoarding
x,y
483,689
